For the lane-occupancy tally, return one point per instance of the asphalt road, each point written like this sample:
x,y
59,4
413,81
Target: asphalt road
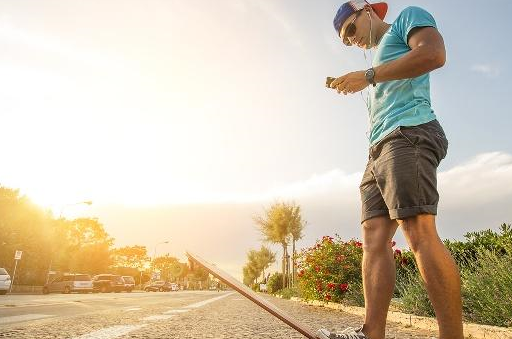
x,y
183,314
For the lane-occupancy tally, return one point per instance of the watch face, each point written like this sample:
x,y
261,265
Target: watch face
x,y
370,73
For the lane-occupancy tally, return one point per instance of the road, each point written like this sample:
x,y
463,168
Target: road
x,y
183,314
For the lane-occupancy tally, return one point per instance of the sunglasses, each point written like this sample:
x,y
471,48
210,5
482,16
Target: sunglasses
x,y
350,31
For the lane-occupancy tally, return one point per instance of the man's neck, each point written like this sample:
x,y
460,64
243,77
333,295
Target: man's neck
x,y
382,28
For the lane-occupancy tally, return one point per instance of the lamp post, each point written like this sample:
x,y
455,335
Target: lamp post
x,y
87,202
154,253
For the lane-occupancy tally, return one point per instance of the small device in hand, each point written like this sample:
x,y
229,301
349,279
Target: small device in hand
x,y
328,81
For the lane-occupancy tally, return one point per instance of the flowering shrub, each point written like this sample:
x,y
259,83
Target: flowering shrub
x,y
330,270
327,270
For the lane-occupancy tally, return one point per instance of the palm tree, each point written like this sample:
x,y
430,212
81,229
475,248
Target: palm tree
x,y
296,231
265,258
275,229
282,224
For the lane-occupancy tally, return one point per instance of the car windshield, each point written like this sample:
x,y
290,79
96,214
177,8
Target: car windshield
x,y
82,277
3,272
129,280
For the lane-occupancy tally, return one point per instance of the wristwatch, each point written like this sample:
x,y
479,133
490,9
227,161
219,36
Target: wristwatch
x,y
370,76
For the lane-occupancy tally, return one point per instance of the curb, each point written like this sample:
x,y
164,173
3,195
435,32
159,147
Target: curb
x,y
471,330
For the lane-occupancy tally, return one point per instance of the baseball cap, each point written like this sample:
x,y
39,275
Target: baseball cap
x,y
350,7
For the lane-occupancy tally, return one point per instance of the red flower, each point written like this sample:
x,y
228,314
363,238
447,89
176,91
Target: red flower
x,y
359,244
393,243
301,273
317,268
340,258
404,261
328,297
331,286
398,252
344,287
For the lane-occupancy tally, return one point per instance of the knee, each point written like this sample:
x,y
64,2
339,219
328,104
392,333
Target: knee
x,y
377,236
419,231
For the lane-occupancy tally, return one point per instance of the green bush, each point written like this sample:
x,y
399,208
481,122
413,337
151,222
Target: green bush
x,y
287,293
487,289
413,294
466,252
275,283
255,287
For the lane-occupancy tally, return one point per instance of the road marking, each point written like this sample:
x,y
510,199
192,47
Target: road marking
x,y
207,301
111,332
175,311
157,317
132,309
24,317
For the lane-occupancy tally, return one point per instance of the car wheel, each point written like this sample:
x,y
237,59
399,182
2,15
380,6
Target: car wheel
x,y
46,290
3,292
161,289
103,289
67,290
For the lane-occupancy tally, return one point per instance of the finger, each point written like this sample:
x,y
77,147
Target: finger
x,y
337,81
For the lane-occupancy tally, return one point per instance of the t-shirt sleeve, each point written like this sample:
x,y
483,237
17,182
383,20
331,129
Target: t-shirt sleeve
x,y
410,18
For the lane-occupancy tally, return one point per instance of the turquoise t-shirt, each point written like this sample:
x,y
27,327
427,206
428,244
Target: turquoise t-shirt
x,y
399,102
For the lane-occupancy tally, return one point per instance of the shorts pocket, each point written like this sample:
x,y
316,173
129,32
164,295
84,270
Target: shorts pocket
x,y
408,134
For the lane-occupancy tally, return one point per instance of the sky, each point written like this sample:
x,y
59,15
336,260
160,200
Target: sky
x,y
183,119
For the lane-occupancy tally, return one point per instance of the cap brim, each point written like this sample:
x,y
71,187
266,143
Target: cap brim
x,y
380,8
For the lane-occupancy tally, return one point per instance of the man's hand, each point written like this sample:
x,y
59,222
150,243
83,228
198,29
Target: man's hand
x,y
350,83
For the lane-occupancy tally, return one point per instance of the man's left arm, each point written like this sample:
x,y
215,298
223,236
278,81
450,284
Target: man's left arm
x,y
427,54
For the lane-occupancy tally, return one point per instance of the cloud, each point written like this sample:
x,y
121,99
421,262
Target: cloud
x,y
486,69
482,180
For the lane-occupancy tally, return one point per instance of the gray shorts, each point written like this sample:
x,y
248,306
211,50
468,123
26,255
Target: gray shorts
x,y
400,179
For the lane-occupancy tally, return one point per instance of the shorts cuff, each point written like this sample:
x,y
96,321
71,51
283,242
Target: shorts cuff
x,y
402,213
372,214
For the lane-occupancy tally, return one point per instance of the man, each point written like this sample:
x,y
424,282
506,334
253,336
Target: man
x,y
407,143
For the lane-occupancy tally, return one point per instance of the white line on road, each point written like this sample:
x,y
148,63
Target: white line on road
x,y
207,301
157,317
24,317
175,311
132,309
111,332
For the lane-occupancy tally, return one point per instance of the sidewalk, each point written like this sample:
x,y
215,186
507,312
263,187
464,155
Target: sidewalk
x,y
475,331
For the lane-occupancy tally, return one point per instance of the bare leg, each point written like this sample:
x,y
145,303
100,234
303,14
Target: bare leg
x,y
439,272
379,273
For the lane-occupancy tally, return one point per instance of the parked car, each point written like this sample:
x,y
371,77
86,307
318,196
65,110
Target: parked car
x,y
105,283
157,286
129,283
174,286
68,283
5,281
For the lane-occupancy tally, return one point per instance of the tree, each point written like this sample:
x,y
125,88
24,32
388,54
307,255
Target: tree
x,y
130,256
265,258
165,265
277,225
296,230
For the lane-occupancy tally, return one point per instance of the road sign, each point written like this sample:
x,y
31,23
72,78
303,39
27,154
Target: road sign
x,y
17,255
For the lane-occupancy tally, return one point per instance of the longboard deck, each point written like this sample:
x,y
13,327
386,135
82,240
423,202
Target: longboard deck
x,y
251,295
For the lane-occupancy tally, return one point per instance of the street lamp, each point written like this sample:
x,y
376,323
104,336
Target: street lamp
x,y
154,253
160,243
